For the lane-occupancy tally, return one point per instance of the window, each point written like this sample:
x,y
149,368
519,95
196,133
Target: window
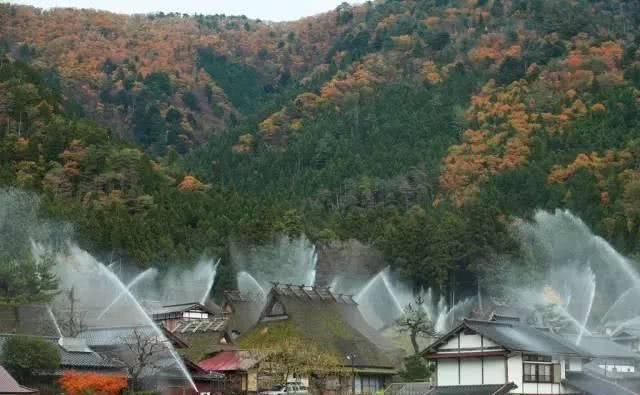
x,y
537,369
368,384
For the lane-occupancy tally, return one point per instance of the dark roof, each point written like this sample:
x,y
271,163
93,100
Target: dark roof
x,y
516,336
590,384
103,337
603,347
493,389
504,318
8,385
114,336
321,318
27,319
78,360
240,297
626,332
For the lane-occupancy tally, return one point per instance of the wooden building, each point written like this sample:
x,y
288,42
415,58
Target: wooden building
x,y
332,323
505,356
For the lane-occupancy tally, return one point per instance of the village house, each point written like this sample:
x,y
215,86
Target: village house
x,y
167,315
36,320
505,356
161,371
9,386
203,338
243,309
328,321
239,367
627,336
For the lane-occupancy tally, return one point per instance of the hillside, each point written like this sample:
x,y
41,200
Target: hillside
x,y
166,80
419,127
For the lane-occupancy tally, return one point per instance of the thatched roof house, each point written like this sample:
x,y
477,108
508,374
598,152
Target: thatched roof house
x,y
329,322
244,310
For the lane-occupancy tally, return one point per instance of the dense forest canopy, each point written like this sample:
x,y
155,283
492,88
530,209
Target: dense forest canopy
x,y
420,127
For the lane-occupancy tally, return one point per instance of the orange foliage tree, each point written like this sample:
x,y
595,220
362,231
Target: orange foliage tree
x,y
79,383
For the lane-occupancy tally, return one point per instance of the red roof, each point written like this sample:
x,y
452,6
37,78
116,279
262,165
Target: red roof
x,y
229,361
8,385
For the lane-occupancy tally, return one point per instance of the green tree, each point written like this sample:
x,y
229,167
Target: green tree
x,y
415,369
25,356
27,279
416,323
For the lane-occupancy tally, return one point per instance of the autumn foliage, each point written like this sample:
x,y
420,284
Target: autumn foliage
x,y
80,383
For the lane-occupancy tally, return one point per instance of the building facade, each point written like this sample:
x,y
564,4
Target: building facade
x,y
506,354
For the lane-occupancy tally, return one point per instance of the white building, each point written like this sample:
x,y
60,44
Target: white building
x,y
505,356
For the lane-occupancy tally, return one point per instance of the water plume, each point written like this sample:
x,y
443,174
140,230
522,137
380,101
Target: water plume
x,y
247,284
212,279
383,301
284,260
592,281
93,282
54,320
140,277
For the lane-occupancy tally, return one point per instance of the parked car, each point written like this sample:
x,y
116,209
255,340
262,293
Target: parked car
x,y
287,389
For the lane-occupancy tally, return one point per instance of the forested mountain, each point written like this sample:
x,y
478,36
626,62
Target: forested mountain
x,y
422,127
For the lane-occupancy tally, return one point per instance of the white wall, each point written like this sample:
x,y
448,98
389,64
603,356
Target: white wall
x,y
494,370
470,341
575,365
450,345
620,368
448,372
515,372
471,371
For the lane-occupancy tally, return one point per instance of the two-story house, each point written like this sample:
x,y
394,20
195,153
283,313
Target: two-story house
x,y
505,356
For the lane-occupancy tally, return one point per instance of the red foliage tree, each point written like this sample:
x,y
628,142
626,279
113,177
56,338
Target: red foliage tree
x,y
79,383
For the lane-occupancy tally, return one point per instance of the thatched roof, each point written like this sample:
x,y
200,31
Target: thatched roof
x,y
317,316
244,310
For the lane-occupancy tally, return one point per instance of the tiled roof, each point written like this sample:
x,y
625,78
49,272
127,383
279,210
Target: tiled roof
x,y
79,360
516,336
494,389
603,347
101,337
590,384
8,385
227,361
627,331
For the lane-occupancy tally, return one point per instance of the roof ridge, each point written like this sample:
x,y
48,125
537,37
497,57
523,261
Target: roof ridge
x,y
501,323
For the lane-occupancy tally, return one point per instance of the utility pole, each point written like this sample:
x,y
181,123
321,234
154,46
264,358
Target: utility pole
x,y
352,359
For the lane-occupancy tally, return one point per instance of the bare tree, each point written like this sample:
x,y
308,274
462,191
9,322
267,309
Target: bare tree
x,y
142,353
72,322
416,323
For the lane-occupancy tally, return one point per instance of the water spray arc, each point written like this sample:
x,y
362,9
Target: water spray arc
x,y
86,267
149,273
212,279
